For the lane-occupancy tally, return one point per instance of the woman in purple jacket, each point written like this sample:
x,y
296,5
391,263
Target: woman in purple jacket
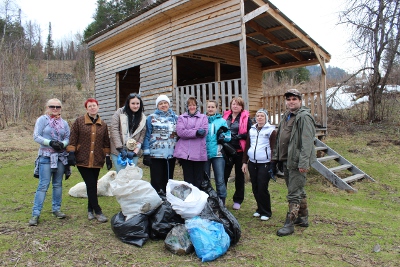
x,y
192,128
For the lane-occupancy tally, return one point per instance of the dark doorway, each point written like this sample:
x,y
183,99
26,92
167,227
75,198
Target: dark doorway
x,y
129,82
194,71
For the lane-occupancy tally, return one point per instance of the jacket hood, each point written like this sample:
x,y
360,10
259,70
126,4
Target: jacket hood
x,y
197,108
214,117
167,113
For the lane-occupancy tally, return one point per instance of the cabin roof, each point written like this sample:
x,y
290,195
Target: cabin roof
x,y
272,38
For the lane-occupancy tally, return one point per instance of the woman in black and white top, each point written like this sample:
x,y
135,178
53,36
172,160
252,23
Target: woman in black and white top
x,y
257,159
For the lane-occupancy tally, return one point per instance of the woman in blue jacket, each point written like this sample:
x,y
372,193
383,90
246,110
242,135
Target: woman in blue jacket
x,y
214,147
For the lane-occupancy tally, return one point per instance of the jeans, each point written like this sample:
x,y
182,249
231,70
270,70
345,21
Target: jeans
x,y
119,167
90,176
46,174
218,165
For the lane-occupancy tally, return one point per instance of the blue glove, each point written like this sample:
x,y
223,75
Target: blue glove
x,y
123,153
200,132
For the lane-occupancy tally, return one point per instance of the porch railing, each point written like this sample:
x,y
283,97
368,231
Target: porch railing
x,y
276,106
220,91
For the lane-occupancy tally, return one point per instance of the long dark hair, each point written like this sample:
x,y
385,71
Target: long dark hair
x,y
134,118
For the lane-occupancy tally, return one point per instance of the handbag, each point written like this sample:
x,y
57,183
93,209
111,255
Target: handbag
x,y
229,149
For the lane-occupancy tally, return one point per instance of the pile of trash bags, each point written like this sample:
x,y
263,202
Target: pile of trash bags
x,y
187,218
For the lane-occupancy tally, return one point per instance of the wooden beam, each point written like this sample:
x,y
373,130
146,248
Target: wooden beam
x,y
291,65
291,27
251,15
264,52
275,40
243,60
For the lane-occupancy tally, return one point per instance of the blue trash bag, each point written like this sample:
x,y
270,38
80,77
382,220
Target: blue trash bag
x,y
209,238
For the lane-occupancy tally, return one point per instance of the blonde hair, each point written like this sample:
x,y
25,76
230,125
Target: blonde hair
x,y
52,100
213,101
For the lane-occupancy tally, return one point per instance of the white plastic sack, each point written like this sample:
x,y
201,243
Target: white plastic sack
x,y
133,194
103,186
192,205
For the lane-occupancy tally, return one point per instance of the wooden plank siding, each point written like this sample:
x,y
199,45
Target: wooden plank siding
x,y
152,48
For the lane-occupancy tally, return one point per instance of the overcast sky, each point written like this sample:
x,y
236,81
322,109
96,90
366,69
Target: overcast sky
x,y
316,17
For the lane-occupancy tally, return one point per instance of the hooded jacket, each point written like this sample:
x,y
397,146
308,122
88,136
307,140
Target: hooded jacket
x,y
260,148
214,123
160,139
301,151
190,146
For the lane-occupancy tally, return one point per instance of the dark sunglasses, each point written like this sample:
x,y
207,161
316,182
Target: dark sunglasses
x,y
57,107
133,95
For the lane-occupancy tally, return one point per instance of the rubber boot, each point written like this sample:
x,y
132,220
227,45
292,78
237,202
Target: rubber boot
x,y
302,219
288,227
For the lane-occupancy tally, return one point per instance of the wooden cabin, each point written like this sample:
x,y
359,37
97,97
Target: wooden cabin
x,y
211,49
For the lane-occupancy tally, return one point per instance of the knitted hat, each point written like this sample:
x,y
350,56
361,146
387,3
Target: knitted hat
x,y
162,98
263,111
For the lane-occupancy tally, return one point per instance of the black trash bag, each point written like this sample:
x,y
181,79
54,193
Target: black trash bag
x,y
178,241
134,231
215,210
181,191
164,219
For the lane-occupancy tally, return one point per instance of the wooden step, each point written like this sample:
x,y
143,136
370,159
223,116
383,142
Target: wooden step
x,y
319,148
328,158
340,168
353,178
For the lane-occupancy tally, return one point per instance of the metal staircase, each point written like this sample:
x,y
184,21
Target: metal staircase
x,y
331,173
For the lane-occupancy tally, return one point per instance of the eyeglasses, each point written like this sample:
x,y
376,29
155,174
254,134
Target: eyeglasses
x,y
56,107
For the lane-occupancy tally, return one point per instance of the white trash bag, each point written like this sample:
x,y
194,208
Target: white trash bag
x,y
192,205
134,195
103,186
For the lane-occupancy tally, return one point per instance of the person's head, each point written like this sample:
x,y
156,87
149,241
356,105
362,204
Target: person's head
x,y
293,99
261,117
191,105
92,107
237,104
53,107
212,107
133,104
163,103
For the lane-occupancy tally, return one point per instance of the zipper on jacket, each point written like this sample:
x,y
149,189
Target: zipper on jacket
x,y
255,148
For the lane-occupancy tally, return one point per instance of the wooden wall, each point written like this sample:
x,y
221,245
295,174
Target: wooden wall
x,y
211,24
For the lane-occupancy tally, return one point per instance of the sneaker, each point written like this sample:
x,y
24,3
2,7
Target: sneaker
x,y
90,216
34,221
264,218
59,214
236,206
256,214
101,218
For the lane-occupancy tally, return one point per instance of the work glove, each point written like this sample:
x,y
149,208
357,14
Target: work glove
x,y
273,167
130,155
123,153
200,132
220,139
108,163
147,160
56,145
71,159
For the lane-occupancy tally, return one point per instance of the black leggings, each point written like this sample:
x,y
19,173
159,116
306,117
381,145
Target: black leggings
x,y
238,197
90,176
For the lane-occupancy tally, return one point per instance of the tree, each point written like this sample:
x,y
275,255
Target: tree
x,y
49,49
375,38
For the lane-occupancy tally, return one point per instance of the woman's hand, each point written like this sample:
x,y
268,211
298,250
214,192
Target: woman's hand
x,y
244,167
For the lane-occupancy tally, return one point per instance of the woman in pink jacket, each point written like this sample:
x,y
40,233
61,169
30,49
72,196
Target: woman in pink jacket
x,y
192,128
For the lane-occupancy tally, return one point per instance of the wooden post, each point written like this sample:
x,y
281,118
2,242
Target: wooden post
x,y
175,84
323,95
243,59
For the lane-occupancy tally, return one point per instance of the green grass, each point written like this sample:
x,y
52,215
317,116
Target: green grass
x,y
344,227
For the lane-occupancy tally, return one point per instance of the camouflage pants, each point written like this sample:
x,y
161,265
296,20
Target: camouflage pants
x,y
295,182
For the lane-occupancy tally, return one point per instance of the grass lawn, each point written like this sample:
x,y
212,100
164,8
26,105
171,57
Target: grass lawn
x,y
344,227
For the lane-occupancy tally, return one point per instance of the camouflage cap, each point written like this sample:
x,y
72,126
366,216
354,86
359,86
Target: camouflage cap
x,y
294,92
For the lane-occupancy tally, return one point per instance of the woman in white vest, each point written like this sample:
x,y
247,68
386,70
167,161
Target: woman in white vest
x,y
257,159
127,131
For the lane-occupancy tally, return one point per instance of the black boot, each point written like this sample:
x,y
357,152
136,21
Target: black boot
x,y
302,219
288,228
